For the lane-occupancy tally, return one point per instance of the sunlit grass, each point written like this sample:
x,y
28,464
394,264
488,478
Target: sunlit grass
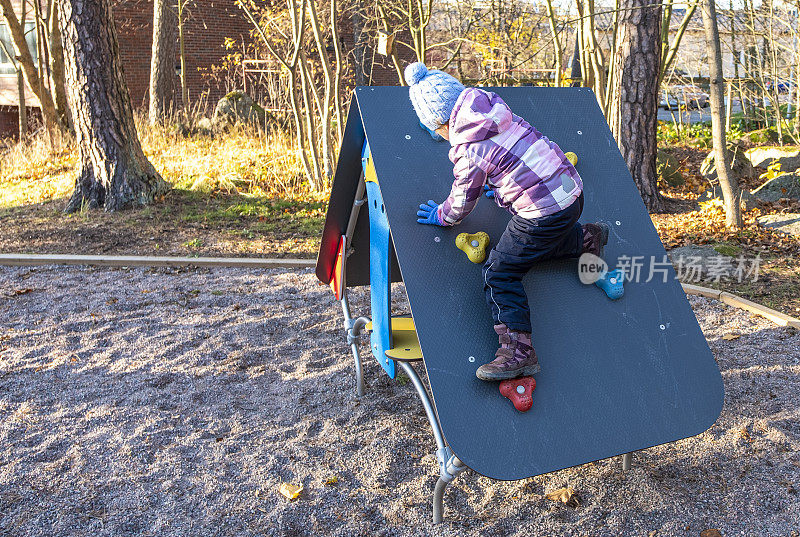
x,y
247,162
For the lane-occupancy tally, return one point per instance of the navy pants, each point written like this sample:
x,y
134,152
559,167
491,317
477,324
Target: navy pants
x,y
525,242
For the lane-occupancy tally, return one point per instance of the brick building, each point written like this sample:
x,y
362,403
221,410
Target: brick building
x,y
207,25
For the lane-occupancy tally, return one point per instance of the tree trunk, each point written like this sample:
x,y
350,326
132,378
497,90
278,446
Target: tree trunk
x,y
28,67
114,174
182,51
59,83
633,110
727,182
162,62
551,18
23,108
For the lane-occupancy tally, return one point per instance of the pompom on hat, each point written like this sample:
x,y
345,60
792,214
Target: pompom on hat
x,y
433,94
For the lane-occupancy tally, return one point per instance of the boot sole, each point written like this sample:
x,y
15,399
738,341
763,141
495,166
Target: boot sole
x,y
526,371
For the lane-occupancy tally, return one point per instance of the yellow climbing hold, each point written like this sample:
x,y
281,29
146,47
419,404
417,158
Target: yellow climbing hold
x,y
474,245
572,157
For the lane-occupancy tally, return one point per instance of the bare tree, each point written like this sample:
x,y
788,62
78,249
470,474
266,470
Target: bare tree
x,y
162,62
115,174
24,57
633,109
57,79
727,181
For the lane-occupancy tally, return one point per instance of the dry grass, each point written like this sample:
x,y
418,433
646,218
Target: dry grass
x,y
245,160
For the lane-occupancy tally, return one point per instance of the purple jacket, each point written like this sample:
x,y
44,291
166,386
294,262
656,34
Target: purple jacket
x,y
529,174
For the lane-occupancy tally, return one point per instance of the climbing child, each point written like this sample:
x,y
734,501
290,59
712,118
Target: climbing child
x,y
495,151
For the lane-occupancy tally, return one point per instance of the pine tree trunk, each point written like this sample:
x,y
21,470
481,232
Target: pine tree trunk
x,y
162,62
115,174
59,84
633,110
727,182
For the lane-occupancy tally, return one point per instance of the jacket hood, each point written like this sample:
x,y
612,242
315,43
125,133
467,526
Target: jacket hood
x,y
478,115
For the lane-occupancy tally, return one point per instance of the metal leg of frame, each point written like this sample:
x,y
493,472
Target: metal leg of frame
x,y
449,465
626,461
354,329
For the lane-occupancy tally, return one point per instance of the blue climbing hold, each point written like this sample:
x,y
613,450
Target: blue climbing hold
x,y
611,283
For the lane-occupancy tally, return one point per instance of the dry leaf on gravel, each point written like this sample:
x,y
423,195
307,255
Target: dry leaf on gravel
x,y
290,491
731,337
17,292
564,495
710,533
331,481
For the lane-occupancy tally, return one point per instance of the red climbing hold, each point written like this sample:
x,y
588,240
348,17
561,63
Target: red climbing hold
x,y
519,391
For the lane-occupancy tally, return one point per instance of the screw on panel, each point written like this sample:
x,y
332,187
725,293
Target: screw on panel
x,y
662,327
408,136
580,132
520,389
436,239
471,358
618,223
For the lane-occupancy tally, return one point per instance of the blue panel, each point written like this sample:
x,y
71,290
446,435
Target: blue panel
x,y
379,249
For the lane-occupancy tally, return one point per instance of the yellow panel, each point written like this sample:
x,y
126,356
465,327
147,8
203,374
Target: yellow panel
x,y
398,323
404,338
406,346
369,174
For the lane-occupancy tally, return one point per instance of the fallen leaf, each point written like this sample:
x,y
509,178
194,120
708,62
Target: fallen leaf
x,y
111,301
331,481
731,337
564,495
710,533
290,491
17,292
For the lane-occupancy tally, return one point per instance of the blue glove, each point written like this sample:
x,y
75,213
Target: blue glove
x,y
432,133
488,192
429,214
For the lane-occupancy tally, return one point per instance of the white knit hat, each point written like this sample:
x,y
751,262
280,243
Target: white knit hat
x,y
433,94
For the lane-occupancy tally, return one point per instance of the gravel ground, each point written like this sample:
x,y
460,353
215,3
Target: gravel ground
x,y
174,402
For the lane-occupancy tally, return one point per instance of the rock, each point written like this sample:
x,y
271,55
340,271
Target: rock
x,y
205,126
788,223
238,107
668,168
747,200
740,164
182,129
789,158
784,186
693,263
763,136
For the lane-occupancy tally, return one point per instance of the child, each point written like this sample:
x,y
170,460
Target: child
x,y
494,150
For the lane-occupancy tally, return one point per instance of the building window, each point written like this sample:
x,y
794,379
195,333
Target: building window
x,y
6,63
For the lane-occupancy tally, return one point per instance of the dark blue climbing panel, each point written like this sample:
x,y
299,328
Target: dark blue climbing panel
x,y
617,376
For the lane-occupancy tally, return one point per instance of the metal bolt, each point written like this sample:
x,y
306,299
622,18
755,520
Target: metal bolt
x,y
520,389
619,223
436,239
408,136
662,327
474,244
580,132
471,358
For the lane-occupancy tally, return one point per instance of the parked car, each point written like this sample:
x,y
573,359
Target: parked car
x,y
683,97
783,86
